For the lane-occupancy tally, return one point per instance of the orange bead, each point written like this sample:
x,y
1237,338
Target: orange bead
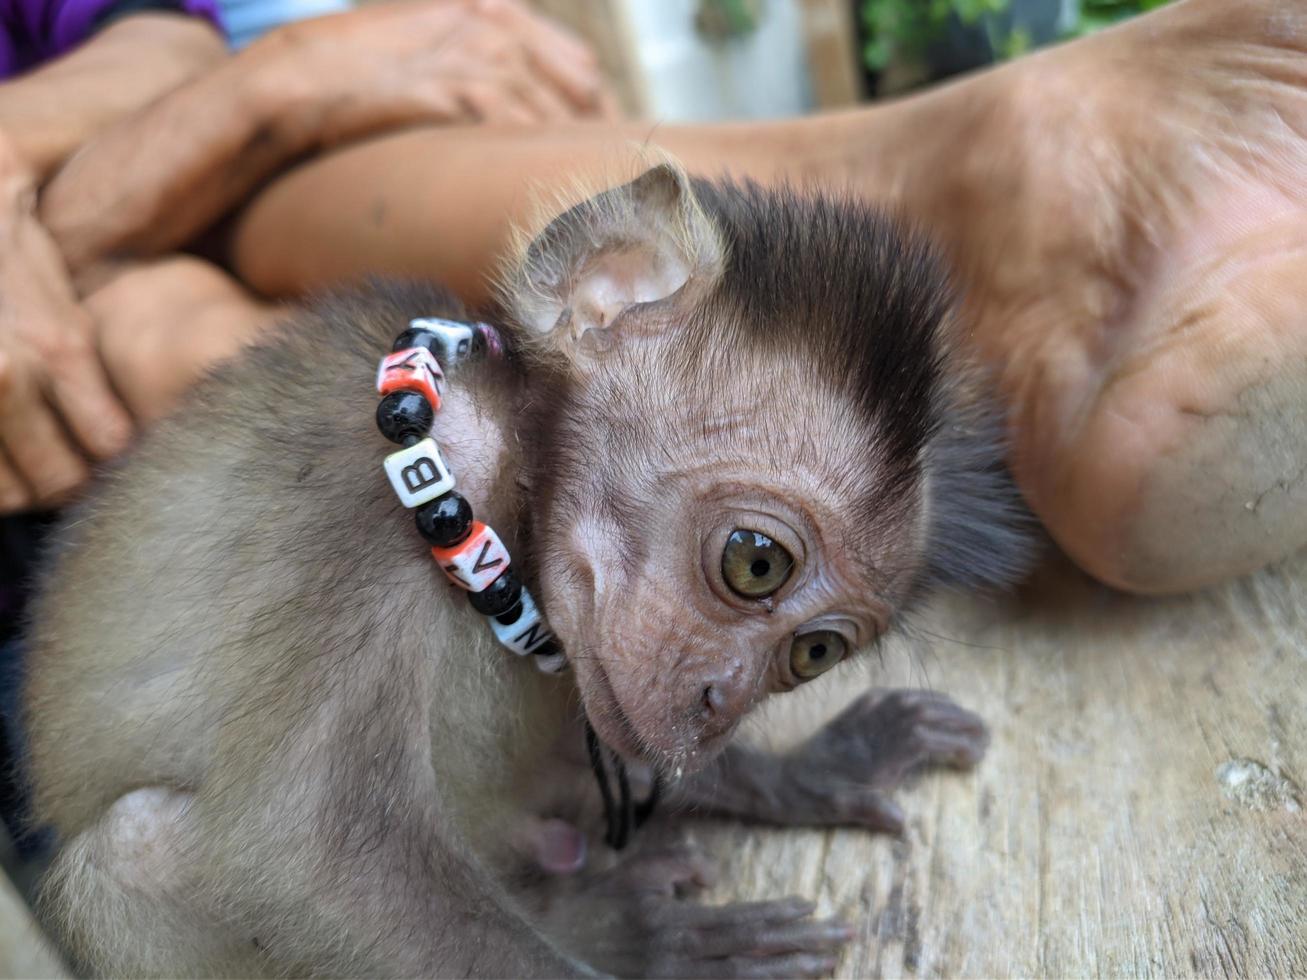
x,y
414,369
476,561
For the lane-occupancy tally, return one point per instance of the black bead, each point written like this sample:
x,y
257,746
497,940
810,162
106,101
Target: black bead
x,y
499,596
547,649
445,521
418,337
510,615
404,413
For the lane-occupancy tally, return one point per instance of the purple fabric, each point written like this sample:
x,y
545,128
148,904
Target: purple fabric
x,y
34,31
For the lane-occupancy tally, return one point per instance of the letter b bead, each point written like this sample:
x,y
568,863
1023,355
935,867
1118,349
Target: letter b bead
x,y
419,473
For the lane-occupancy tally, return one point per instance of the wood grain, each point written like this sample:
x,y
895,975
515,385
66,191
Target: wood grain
x,y
1141,811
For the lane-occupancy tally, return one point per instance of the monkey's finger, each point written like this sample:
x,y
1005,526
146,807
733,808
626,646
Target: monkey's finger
x,y
80,389
874,810
907,703
951,750
947,714
798,936
790,965
706,917
675,872
41,452
14,495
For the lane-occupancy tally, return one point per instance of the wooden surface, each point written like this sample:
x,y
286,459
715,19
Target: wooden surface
x,y
1141,811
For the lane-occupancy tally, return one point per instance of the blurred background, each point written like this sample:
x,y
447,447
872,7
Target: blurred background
x,y
685,60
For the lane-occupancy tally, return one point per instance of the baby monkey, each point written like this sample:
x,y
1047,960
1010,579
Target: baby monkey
x,y
733,442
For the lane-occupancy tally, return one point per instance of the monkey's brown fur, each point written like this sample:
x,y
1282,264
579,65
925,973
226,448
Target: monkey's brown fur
x,y
270,741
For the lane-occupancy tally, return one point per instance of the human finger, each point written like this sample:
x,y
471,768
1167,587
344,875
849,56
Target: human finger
x,y
40,449
14,495
492,102
559,58
80,389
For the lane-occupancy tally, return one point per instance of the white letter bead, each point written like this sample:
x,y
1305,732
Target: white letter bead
x,y
476,561
413,369
526,632
455,338
419,473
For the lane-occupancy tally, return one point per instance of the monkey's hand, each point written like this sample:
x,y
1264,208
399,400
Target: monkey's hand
x,y
636,920
844,774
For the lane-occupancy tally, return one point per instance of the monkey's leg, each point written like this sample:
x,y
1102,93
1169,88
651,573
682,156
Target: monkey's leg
x,y
636,919
357,869
118,900
844,774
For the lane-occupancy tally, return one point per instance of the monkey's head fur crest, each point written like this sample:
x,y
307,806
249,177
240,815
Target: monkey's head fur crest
x,y
756,447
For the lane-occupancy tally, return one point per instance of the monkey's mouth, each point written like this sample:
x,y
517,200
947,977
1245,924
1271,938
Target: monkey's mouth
x,y
606,714
615,728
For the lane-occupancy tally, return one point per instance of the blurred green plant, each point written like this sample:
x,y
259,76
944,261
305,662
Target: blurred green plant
x,y
905,28
1097,14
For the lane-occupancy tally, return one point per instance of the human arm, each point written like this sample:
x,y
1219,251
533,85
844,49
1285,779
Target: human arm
x,y
49,112
155,181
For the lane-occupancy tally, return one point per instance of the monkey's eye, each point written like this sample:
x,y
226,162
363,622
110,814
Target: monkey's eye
x,y
753,565
815,653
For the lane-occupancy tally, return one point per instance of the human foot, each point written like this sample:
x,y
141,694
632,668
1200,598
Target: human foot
x,y
1129,216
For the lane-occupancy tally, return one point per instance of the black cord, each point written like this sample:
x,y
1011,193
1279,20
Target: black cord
x,y
645,810
601,777
622,816
627,815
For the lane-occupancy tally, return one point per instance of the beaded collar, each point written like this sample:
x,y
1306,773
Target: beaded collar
x,y
410,380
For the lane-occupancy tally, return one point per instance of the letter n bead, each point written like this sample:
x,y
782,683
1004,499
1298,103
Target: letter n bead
x,y
413,369
476,561
525,633
419,473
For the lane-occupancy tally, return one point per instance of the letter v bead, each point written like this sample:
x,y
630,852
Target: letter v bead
x,y
476,561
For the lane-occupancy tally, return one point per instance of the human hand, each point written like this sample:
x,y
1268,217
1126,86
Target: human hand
x,y
400,63
162,324
150,184
58,411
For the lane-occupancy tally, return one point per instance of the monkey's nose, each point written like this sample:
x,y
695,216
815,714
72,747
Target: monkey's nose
x,y
722,700
714,701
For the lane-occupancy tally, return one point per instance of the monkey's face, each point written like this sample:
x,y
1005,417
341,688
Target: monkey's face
x,y
742,467
701,543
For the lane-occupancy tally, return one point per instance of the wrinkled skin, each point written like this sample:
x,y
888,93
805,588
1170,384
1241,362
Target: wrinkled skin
x,y
1135,223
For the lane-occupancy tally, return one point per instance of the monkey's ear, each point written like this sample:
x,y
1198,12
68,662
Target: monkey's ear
x,y
638,243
